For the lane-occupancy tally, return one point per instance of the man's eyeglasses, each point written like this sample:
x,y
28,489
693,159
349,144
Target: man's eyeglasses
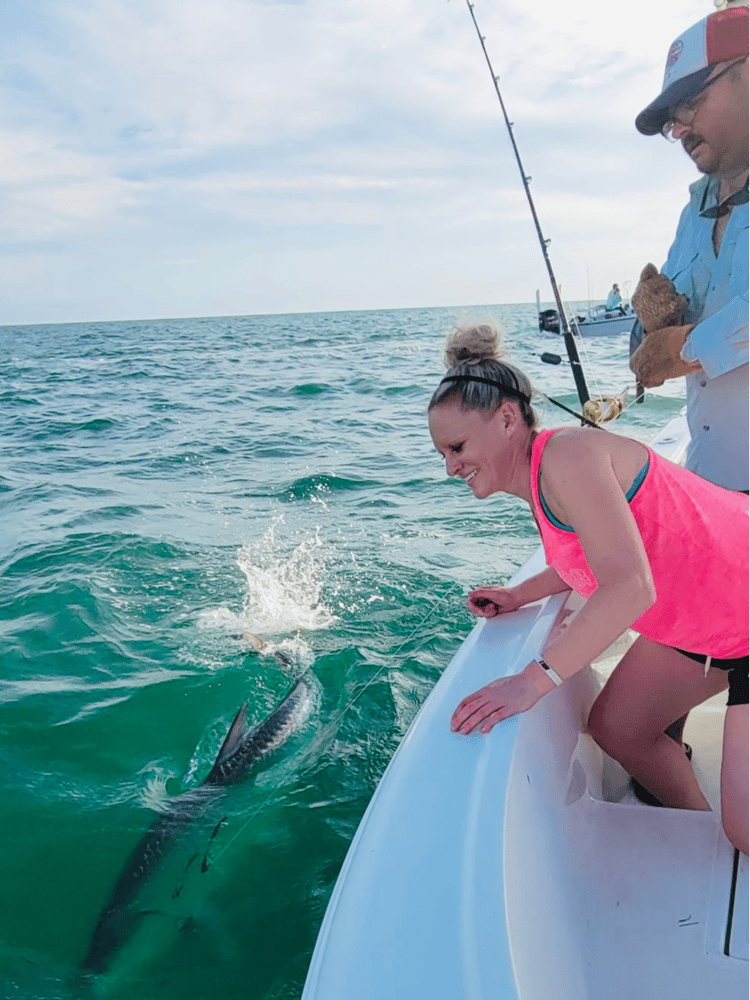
x,y
685,112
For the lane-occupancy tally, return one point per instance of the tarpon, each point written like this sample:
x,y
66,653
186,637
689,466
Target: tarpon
x,y
135,897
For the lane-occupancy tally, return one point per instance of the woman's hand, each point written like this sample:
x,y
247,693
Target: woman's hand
x,y
497,701
490,601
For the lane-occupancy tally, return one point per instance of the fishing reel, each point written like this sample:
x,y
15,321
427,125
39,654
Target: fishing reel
x,y
602,409
596,410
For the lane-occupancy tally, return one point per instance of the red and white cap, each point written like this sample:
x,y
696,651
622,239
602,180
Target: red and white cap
x,y
720,37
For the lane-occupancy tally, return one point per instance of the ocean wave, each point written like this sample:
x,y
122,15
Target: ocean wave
x,y
311,388
310,486
114,513
54,429
15,399
404,390
16,690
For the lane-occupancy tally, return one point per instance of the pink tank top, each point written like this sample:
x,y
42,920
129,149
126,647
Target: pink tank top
x,y
696,539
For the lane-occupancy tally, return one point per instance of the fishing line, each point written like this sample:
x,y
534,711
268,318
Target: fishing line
x,y
600,395
626,406
332,725
590,365
578,416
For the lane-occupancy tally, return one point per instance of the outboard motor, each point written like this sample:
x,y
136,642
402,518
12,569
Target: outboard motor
x,y
549,320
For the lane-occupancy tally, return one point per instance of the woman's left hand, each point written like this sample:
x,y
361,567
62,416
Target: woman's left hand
x,y
497,701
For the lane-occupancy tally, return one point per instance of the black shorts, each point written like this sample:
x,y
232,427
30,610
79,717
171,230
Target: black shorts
x,y
738,674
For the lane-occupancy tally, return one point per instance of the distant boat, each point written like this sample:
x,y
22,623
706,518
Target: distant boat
x,y
520,865
597,321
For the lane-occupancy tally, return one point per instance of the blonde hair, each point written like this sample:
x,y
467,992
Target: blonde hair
x,y
474,353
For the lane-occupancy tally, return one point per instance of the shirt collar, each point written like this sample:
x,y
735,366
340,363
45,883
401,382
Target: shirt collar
x,y
717,210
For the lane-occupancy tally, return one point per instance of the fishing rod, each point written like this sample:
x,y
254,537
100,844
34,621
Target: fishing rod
x,y
570,344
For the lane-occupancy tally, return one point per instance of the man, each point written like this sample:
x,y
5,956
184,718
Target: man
x,y
695,314
614,300
704,105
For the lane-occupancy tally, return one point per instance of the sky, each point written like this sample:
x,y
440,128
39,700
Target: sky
x,y
174,158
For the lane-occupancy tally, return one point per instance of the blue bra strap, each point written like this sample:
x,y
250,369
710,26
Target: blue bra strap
x,y
637,482
636,485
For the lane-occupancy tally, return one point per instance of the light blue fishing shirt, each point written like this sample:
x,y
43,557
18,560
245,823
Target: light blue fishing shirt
x,y
613,300
717,290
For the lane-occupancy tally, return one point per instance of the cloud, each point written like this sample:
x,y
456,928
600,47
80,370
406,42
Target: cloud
x,y
308,138
50,190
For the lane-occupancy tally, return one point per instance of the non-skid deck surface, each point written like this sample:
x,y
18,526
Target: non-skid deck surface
x,y
677,947
697,912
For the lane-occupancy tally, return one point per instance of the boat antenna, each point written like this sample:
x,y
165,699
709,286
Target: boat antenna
x,y
570,345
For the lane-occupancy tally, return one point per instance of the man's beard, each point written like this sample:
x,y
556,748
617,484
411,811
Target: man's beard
x,y
690,142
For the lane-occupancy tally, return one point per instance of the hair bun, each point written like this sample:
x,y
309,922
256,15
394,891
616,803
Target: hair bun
x,y
470,345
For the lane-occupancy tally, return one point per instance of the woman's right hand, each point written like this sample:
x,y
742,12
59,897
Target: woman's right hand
x,y
486,602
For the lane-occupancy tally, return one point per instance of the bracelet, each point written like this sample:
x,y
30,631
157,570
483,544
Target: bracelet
x,y
552,674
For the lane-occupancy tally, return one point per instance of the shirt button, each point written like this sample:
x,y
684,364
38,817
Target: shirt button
x,y
705,427
704,383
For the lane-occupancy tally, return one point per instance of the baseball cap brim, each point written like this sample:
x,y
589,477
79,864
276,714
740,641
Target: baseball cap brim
x,y
653,118
717,38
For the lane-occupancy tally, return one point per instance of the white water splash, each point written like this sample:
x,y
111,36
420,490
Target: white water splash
x,y
283,592
153,794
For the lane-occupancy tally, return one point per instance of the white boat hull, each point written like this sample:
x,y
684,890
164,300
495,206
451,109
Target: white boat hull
x,y
513,865
597,322
604,326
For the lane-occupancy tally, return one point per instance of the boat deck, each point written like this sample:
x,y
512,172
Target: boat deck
x,y
630,900
715,903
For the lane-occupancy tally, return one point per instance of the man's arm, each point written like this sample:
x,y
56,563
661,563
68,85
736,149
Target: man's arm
x,y
716,345
719,344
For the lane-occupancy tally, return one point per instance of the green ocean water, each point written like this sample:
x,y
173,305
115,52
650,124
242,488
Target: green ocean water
x,y
166,486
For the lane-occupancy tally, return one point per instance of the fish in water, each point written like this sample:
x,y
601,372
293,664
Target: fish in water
x,y
135,897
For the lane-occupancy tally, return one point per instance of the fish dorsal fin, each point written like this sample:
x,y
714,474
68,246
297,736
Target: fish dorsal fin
x,y
236,731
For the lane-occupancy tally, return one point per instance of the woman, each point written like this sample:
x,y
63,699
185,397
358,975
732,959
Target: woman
x,y
649,545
